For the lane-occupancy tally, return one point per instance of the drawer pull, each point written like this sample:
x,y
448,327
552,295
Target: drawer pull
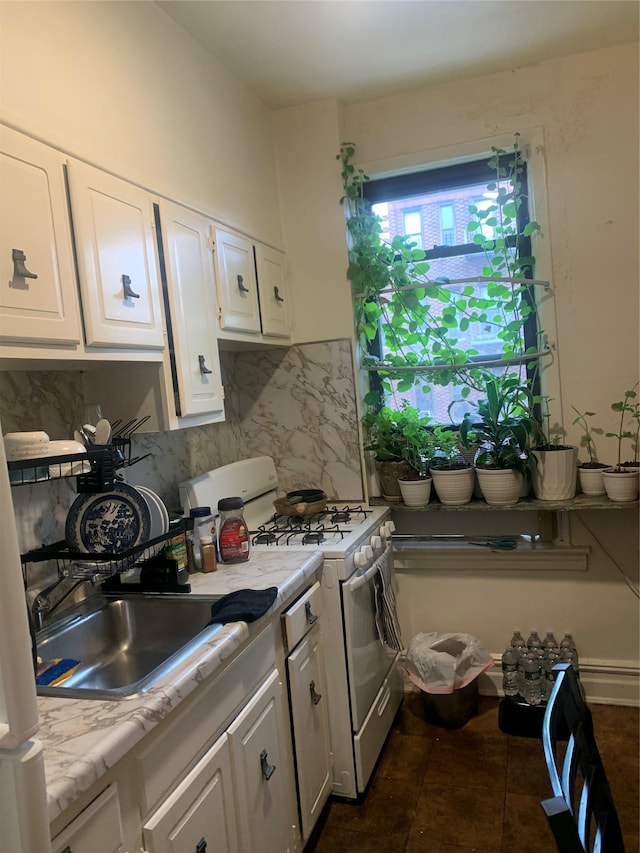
x,y
276,293
201,846
311,618
203,367
241,286
19,270
126,286
315,697
267,769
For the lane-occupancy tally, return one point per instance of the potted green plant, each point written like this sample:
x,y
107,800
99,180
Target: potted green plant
x,y
401,442
415,486
621,483
453,477
589,473
502,432
553,465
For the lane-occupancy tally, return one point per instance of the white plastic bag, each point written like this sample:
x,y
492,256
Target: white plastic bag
x,y
442,663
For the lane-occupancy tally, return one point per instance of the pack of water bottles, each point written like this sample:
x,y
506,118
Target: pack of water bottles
x,y
527,665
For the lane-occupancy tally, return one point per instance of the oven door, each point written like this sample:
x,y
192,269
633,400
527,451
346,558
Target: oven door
x,y
368,659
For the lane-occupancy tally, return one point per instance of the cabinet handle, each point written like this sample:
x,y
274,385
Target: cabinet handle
x,y
126,286
203,367
276,293
67,849
201,846
311,617
241,286
267,769
315,697
19,269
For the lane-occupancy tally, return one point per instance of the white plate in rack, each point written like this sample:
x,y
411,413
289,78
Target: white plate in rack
x,y
108,522
159,517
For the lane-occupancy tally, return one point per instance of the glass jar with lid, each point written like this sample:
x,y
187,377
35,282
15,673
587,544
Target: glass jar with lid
x,y
202,523
233,535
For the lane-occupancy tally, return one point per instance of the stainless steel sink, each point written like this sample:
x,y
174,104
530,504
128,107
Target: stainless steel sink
x,y
124,643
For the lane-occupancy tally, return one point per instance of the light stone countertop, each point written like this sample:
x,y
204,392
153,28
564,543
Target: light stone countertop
x,y
83,738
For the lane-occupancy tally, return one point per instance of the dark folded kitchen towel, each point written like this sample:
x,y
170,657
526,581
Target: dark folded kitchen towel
x,y
244,605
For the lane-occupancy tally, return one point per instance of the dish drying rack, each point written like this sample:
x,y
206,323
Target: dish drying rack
x,y
99,567
94,470
156,571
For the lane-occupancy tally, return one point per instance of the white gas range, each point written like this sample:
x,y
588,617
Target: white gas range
x,y
364,686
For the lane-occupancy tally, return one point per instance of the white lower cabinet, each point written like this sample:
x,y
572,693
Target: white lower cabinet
x,y
98,827
310,721
262,774
199,816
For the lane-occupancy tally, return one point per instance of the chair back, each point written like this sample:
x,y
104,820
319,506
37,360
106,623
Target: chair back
x,y
581,813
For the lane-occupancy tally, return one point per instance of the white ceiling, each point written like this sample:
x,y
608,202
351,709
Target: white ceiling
x,y
294,51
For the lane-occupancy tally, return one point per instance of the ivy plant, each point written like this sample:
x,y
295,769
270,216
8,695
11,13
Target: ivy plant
x,y
423,320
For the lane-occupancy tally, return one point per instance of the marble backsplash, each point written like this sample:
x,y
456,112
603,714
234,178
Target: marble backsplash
x,y
297,405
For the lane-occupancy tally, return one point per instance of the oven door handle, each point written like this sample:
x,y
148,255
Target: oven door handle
x,y
361,580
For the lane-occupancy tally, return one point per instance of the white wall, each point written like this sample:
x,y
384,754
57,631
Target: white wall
x,y
121,85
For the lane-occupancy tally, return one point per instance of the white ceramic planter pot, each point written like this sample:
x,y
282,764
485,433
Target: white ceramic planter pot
x,y
591,481
621,486
454,488
416,492
554,473
500,486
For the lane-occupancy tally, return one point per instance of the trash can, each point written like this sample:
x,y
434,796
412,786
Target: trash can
x,y
445,668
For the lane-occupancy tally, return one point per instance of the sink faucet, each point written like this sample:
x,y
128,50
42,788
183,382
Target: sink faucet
x,y
49,599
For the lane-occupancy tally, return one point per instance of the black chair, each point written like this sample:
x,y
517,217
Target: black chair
x,y
581,814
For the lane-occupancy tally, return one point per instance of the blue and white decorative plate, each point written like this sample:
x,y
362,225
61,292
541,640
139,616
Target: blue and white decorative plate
x,y
108,523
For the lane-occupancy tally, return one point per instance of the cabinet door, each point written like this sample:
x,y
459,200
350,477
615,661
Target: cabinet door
x,y
272,286
310,728
237,285
262,773
189,293
38,300
98,827
113,227
200,813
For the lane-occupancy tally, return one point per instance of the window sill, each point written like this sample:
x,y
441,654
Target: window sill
x,y
580,502
415,552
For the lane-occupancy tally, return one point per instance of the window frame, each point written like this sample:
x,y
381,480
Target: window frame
x,y
474,171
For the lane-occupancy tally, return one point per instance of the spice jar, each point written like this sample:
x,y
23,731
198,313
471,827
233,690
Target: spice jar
x,y
207,554
202,523
233,536
176,548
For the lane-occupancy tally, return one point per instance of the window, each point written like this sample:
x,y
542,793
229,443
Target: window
x,y
467,314
412,226
447,225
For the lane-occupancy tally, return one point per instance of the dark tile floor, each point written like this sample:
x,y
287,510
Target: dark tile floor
x,y
439,790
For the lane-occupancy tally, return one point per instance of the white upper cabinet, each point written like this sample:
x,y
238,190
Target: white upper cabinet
x,y
113,227
274,301
237,283
38,297
251,287
190,304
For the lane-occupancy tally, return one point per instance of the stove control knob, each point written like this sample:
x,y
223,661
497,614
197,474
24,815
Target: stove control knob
x,y
359,559
387,529
376,543
367,550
